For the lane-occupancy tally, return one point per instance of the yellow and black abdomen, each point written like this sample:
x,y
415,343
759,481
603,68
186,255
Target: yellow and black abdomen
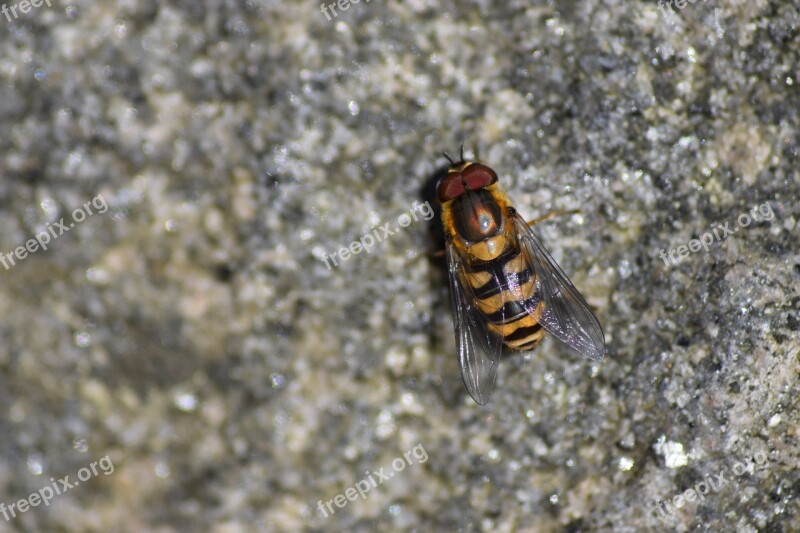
x,y
504,290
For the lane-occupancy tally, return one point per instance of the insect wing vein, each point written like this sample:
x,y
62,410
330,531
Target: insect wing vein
x,y
479,348
566,315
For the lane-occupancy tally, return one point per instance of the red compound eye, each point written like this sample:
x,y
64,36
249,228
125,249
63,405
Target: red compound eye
x,y
451,186
478,176
472,178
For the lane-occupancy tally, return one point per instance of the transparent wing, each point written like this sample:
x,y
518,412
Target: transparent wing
x,y
479,349
566,314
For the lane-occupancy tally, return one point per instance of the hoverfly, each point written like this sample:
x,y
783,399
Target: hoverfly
x,y
506,288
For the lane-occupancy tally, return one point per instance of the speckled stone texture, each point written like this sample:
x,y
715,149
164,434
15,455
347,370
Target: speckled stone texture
x,y
193,334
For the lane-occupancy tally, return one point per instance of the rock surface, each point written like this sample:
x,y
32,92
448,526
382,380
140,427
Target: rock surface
x,y
192,335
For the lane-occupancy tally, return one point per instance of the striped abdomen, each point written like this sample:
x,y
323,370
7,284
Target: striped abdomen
x,y
501,287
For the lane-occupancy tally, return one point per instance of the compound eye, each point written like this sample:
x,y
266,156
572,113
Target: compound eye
x,y
451,186
478,176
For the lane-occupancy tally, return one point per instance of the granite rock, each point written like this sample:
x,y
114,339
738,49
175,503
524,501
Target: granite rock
x,y
194,333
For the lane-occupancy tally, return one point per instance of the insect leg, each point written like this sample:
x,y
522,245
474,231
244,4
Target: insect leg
x,y
552,214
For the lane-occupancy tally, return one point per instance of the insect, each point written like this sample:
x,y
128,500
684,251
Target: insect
x,y
506,288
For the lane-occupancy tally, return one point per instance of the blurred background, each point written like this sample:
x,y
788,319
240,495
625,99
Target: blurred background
x,y
184,354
